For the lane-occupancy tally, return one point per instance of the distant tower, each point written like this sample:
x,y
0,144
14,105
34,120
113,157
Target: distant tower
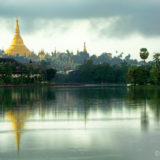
x,y
17,46
85,48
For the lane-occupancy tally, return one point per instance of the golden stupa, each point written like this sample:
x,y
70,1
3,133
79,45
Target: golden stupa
x,y
85,48
17,47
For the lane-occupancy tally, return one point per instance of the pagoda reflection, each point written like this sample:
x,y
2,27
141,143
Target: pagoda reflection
x,y
17,118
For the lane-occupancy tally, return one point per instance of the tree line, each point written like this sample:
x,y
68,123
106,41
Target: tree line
x,y
18,73
146,73
121,73
90,69
91,73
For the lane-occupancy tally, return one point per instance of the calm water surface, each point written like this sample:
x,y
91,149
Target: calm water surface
x,y
90,123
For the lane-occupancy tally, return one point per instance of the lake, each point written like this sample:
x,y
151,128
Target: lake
x,y
79,123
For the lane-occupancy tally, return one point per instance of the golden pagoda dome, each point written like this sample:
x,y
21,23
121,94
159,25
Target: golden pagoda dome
x,y
17,47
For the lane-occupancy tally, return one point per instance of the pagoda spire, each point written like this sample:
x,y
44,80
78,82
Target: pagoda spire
x,y
17,46
85,48
17,26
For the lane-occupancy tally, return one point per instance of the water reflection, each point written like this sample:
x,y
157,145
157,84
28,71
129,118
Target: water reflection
x,y
17,119
149,102
24,110
18,104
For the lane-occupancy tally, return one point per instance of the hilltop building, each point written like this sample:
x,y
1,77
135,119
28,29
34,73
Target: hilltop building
x,y
109,54
17,47
41,55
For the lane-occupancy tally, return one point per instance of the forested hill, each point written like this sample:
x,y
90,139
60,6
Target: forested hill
x,y
68,61
123,73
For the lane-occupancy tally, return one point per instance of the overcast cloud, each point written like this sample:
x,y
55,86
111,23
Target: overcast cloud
x,y
106,25
133,15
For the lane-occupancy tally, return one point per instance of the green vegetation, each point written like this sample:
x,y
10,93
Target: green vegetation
x,y
123,73
144,54
145,74
91,73
49,74
82,68
12,72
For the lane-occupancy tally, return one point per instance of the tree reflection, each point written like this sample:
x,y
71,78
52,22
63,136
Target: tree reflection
x,y
147,100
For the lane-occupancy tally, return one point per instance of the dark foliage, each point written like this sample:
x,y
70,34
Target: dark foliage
x,y
91,73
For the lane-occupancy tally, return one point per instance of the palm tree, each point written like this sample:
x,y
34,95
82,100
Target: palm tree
x,y
144,54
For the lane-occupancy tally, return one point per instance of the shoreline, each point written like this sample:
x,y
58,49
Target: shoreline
x,y
61,85
144,86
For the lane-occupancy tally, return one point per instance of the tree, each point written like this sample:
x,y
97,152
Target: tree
x,y
154,75
137,75
155,70
8,70
144,54
50,74
156,59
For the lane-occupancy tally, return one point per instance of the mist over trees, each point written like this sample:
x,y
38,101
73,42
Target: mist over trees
x,y
64,61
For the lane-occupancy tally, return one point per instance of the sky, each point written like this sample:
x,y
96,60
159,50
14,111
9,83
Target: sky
x,y
105,25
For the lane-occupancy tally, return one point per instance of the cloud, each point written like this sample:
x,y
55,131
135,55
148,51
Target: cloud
x,y
128,16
